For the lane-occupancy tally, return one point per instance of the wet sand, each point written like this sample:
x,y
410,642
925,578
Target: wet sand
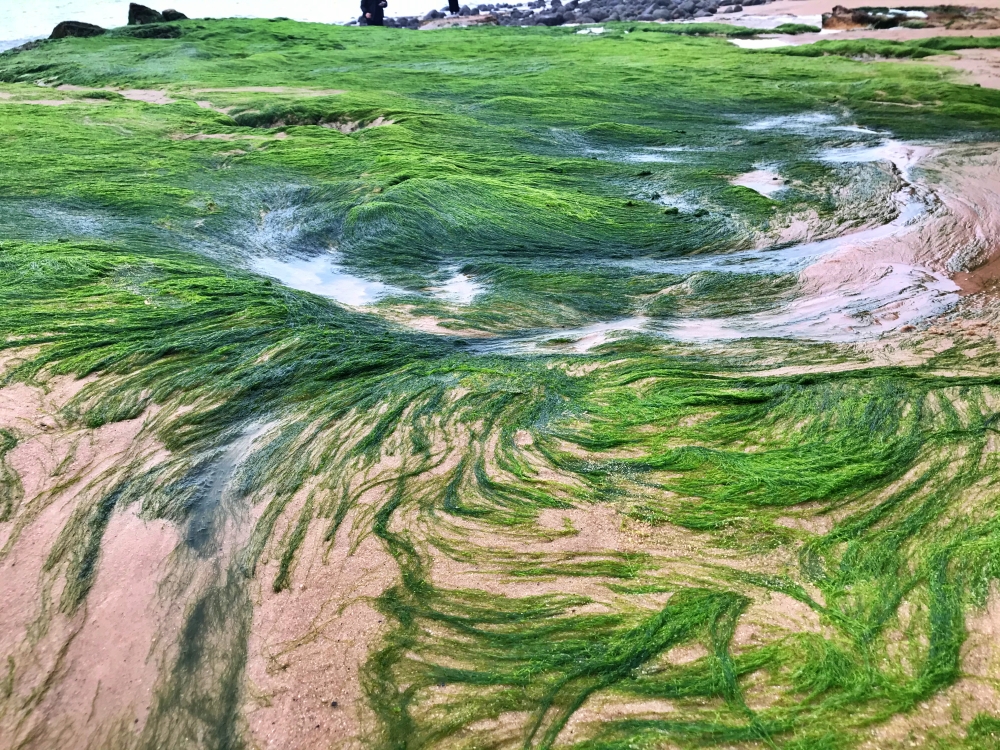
x,y
816,7
973,66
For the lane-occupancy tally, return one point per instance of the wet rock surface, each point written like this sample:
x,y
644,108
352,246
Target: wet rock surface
x,y
75,29
140,14
941,16
557,13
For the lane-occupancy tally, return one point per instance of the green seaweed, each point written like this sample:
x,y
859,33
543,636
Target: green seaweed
x,y
542,163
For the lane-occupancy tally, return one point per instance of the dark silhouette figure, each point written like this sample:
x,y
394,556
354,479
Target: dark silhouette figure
x,y
373,11
453,7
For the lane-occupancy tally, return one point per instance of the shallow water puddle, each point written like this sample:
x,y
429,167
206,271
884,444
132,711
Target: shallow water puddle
x,y
900,295
902,155
780,260
322,275
459,289
759,43
883,298
578,340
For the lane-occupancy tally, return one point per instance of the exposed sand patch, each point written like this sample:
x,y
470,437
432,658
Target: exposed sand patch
x,y
61,659
818,7
404,315
601,707
109,669
309,643
227,137
271,90
975,66
208,105
55,102
149,96
961,240
772,615
354,126
763,181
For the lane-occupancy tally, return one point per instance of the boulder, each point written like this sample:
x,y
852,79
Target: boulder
x,y
76,29
484,19
173,15
860,18
140,14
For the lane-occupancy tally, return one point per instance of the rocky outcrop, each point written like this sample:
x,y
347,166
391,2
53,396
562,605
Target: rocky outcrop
x,y
140,14
485,19
75,29
173,15
557,13
871,18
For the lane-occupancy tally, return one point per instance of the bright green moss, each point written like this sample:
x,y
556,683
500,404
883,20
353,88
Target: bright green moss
x,y
551,167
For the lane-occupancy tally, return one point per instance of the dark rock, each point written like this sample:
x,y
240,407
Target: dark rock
x,y
140,14
151,31
585,19
859,18
551,19
75,29
173,15
465,11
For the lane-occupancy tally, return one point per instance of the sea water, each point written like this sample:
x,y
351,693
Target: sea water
x,y
22,21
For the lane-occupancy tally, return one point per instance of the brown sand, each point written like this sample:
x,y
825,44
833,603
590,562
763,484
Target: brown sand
x,y
271,90
762,181
227,137
974,66
945,715
62,659
817,7
309,643
109,670
354,126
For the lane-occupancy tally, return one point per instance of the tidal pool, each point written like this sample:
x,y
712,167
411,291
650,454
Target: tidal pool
x,y
322,275
459,289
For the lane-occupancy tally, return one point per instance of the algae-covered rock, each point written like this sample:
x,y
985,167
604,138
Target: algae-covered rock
x,y
140,14
75,29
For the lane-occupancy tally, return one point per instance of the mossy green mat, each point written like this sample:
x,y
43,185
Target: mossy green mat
x,y
544,163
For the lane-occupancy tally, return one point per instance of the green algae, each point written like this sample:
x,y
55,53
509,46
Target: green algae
x,y
517,155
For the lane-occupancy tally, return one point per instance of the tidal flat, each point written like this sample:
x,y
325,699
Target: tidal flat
x,y
496,388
